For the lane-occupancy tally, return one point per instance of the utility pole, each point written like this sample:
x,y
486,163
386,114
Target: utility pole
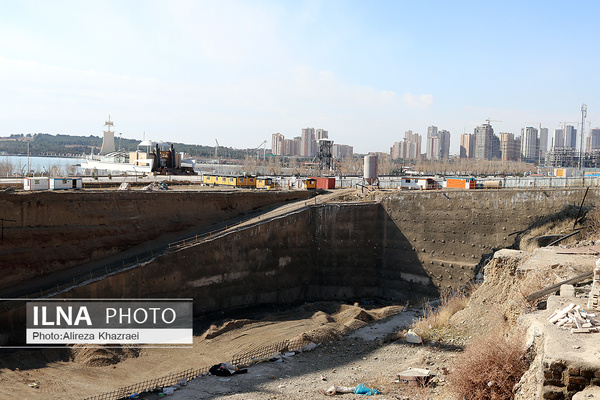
x,y
583,115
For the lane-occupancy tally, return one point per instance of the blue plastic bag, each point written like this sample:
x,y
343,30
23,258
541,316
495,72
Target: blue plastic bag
x,y
362,389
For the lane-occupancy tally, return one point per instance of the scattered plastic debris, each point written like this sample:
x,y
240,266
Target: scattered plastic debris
x,y
168,391
362,389
359,389
412,337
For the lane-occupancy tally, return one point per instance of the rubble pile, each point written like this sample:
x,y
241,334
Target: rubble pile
x,y
574,318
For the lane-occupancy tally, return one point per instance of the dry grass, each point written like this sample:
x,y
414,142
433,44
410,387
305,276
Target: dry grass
x,y
488,369
592,220
435,323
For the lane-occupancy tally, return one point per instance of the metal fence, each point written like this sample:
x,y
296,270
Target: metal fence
x,y
256,354
528,182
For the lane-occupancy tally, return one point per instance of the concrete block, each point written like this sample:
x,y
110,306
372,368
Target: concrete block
x,y
567,291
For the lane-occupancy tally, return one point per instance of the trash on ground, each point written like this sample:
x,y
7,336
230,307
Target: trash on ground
x,y
225,369
309,347
412,337
125,186
338,389
168,391
362,389
414,376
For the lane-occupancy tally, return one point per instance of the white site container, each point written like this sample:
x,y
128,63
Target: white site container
x,y
65,183
39,183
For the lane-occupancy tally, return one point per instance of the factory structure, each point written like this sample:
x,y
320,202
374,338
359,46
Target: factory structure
x,y
150,157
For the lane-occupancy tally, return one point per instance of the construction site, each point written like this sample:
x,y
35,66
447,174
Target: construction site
x,y
282,272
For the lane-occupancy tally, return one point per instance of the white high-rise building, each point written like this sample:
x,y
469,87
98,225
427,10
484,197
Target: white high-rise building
x,y
529,144
277,144
484,142
322,134
308,147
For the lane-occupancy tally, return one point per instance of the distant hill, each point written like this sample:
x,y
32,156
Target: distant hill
x,y
67,145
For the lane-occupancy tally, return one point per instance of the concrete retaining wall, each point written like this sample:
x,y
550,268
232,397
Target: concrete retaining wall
x,y
408,245
58,230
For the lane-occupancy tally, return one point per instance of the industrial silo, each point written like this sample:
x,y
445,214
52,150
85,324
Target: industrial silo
x,y
370,170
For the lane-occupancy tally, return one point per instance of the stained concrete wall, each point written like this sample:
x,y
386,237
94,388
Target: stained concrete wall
x,y
57,230
405,245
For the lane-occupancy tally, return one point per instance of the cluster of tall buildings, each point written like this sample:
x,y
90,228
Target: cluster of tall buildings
x,y
483,144
407,149
437,145
306,145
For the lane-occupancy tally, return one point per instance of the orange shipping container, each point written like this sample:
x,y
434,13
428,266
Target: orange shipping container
x,y
324,183
460,183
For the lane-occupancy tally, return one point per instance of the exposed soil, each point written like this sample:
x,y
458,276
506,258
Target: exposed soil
x,y
85,372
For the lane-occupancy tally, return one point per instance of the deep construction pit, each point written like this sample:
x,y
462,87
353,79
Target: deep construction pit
x,y
393,246
388,245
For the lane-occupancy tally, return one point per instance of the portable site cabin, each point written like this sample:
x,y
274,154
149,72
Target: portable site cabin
x,y
428,184
324,182
309,183
409,184
39,183
460,183
65,183
264,183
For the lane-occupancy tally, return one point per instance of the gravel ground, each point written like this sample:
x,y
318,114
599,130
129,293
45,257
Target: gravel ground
x,y
360,357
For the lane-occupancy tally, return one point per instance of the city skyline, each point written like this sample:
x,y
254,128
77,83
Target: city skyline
x,y
239,71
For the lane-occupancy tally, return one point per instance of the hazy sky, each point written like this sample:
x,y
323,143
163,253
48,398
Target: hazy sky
x,y
239,71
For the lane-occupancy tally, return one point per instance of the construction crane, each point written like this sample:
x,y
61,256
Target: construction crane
x,y
217,149
491,120
264,150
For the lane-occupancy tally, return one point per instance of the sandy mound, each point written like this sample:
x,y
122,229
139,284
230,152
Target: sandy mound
x,y
102,356
215,330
